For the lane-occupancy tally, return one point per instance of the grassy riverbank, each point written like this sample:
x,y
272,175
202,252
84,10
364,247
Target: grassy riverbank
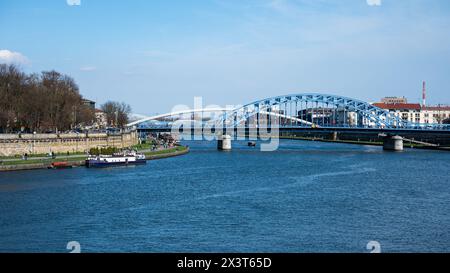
x,y
60,155
171,152
48,161
167,151
35,162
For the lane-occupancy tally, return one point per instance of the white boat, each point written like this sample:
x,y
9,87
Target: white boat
x,y
99,161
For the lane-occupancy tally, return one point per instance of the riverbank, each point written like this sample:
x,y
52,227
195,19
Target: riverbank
x,y
371,143
172,152
15,164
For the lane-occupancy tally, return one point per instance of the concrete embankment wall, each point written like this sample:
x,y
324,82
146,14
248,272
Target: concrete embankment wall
x,y
11,145
436,138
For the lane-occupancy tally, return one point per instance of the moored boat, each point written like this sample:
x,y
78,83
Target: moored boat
x,y
122,159
60,165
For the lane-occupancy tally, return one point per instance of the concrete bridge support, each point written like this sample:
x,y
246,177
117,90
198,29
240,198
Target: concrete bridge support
x,y
393,143
224,143
334,136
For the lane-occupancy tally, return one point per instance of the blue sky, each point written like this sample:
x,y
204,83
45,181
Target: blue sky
x,y
156,54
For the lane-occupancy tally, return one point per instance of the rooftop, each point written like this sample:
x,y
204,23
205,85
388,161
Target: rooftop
x,y
398,106
437,108
410,106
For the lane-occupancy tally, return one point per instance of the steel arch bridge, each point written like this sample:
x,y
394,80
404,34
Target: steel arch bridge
x,y
305,110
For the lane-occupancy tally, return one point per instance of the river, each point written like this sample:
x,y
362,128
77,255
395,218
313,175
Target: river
x,y
304,197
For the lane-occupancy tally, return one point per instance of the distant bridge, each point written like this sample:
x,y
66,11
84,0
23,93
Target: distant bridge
x,y
175,114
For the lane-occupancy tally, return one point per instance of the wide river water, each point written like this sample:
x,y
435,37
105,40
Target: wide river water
x,y
304,197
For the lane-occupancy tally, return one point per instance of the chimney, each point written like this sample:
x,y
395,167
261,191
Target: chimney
x,y
424,94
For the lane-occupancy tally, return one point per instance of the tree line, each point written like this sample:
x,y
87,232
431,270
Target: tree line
x,y
48,102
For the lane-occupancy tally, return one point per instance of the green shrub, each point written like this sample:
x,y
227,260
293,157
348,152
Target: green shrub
x,y
104,151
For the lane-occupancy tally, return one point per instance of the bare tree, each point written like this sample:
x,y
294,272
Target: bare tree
x,y
49,101
117,113
12,97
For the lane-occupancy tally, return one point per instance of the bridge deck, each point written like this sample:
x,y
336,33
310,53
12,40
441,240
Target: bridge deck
x,y
319,129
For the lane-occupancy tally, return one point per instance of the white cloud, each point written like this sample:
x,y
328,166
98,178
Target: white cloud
x,y
374,2
74,2
88,68
11,57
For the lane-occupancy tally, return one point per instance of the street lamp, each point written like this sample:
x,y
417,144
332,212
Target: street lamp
x,y
32,144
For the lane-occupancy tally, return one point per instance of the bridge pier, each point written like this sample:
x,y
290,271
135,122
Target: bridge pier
x,y
224,143
334,136
393,143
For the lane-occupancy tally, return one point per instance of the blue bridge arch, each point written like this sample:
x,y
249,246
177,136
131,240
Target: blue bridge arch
x,y
316,109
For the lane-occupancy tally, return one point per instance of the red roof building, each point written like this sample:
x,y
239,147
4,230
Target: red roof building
x,y
416,113
399,106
